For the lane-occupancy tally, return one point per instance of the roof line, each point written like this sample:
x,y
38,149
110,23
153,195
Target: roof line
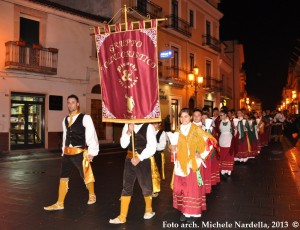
x,y
71,10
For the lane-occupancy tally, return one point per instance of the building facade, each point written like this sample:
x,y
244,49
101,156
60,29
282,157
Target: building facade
x,y
46,54
291,91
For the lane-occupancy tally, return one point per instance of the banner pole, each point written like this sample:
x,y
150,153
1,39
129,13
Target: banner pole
x,y
132,140
125,16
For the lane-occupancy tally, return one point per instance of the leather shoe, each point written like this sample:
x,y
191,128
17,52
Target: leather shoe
x,y
183,218
191,220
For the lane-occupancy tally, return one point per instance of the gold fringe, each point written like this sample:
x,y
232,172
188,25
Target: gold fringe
x,y
155,175
87,169
163,161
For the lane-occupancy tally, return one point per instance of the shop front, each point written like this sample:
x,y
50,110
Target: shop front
x,y
27,121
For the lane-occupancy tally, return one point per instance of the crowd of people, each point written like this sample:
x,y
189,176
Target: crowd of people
x,y
203,149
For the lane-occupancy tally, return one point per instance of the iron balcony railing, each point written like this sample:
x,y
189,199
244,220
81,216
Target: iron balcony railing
x,y
148,8
226,91
171,75
33,58
179,25
212,42
212,84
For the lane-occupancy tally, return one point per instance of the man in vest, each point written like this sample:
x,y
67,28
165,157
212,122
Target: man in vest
x,y
137,166
78,132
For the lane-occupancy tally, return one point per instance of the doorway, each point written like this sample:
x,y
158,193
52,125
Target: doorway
x,y
174,114
96,114
27,121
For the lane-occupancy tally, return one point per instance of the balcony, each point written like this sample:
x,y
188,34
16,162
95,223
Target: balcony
x,y
226,92
211,84
148,8
171,75
179,25
212,42
33,58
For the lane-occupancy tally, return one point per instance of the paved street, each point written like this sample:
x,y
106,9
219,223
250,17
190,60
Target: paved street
x,y
263,192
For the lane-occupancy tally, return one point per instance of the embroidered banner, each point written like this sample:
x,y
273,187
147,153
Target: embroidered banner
x,y
128,72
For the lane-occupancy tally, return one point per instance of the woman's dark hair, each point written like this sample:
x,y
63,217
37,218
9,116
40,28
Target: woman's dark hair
x,y
197,110
185,110
224,110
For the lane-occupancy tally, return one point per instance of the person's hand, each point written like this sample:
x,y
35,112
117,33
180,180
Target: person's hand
x,y
130,128
173,148
135,161
90,157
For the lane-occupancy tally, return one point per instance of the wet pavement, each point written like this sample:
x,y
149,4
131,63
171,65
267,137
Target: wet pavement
x,y
260,193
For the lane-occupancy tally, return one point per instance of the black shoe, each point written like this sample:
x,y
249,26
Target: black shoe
x,y
223,176
191,220
183,218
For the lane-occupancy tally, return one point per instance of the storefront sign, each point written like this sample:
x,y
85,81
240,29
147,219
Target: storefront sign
x,y
166,54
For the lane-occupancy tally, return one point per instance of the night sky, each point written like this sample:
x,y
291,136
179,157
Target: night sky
x,y
268,29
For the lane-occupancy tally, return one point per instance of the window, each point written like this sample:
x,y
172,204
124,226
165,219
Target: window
x,y
191,18
175,61
142,6
208,68
208,73
208,28
192,61
175,8
29,30
175,13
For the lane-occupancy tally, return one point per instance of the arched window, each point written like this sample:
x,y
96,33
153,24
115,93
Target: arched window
x,y
96,89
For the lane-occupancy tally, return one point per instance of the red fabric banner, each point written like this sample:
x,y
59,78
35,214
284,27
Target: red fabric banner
x,y
128,74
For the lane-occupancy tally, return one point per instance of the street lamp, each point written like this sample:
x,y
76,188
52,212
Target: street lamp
x,y
195,81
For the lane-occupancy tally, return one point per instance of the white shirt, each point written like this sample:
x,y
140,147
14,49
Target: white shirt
x,y
151,140
91,138
161,145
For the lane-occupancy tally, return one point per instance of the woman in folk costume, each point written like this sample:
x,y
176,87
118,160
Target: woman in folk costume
x,y
197,120
215,156
192,149
267,119
259,130
226,145
251,126
241,154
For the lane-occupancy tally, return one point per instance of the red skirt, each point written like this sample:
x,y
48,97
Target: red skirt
x,y
215,170
254,149
226,160
188,196
260,142
242,149
207,175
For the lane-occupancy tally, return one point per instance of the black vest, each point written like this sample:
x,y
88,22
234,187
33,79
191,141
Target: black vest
x,y
158,135
76,132
140,139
